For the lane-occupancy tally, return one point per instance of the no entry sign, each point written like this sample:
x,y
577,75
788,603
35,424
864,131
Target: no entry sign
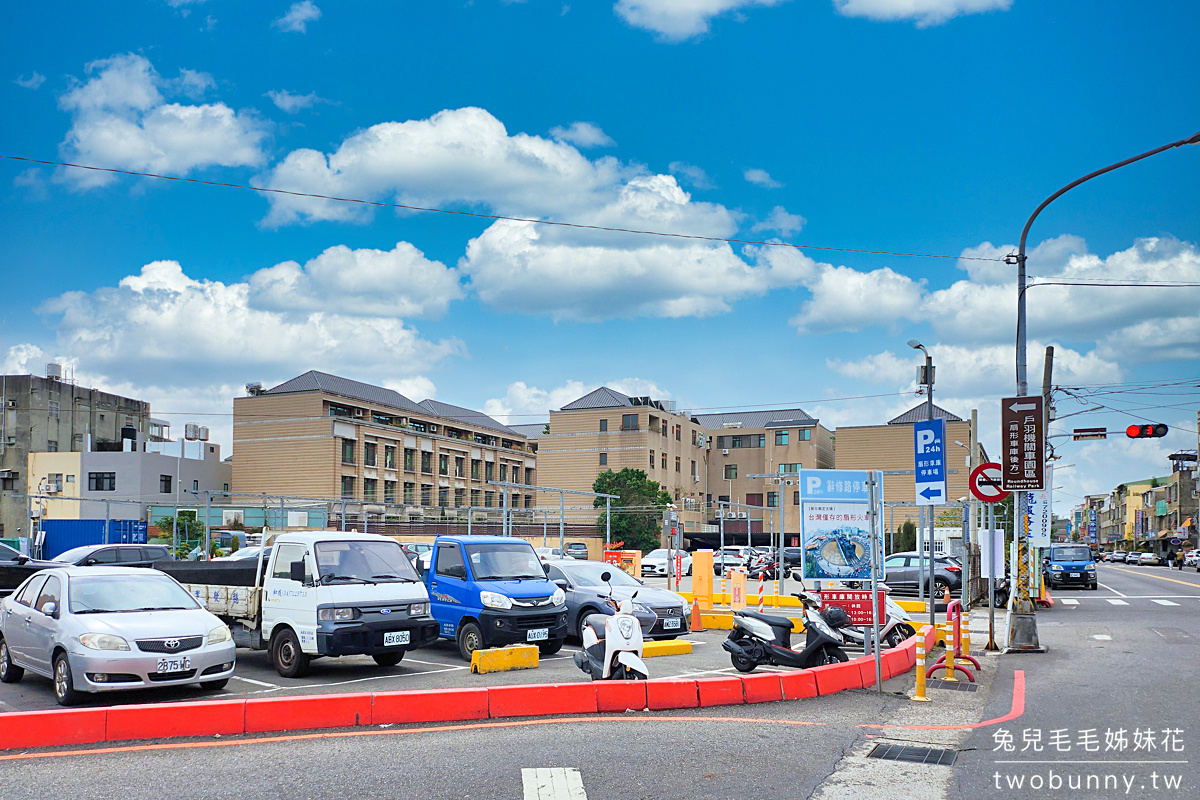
x,y
985,483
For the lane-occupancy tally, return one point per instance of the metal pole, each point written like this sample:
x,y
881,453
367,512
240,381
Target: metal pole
x,y
921,553
106,521
929,541
545,523
562,518
175,532
891,529
991,524
721,523
207,523
872,499
607,522
470,514
281,516
343,515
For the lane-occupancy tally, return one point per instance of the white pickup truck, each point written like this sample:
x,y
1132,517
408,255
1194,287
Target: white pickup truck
x,y
320,593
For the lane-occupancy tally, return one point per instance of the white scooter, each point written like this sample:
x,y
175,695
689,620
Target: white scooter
x,y
612,645
893,629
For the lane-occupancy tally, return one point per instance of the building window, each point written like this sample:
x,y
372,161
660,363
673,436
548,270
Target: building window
x,y
754,500
604,459
781,437
804,435
721,498
603,426
443,497
460,467
340,411
51,446
679,433
460,496
489,471
678,464
348,487
488,499
443,464
629,422
226,489
410,493
347,451
772,499
796,497
369,488
663,460
731,472
789,469
426,494
474,497
389,491
475,469
427,462
410,457
664,427
195,486
53,407
503,473
693,469
651,459
529,501
164,484
369,454
389,456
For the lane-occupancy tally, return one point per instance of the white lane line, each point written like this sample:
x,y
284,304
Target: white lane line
x,y
1116,602
1166,603
256,683
553,783
1114,591
1103,637
1070,601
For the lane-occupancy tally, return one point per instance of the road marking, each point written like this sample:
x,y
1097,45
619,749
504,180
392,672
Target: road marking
x,y
1116,602
1166,603
553,783
1102,637
1159,577
256,683
1069,602
1111,589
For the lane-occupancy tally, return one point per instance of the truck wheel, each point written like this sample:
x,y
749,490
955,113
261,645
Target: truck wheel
x,y
289,660
388,659
551,647
470,639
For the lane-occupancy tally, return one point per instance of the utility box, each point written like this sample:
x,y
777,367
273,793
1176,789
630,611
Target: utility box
x,y
628,560
702,578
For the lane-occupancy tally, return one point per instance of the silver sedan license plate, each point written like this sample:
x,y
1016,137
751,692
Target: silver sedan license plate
x,y
537,635
671,623
177,664
396,638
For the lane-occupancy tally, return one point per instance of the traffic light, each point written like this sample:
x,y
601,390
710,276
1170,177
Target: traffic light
x,y
1151,431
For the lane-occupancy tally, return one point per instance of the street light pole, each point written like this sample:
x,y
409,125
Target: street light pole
x,y
921,510
1023,626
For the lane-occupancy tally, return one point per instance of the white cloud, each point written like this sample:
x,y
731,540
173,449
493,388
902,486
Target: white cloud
x,y
677,20
32,82
780,220
417,388
582,134
883,367
293,103
844,299
924,12
191,84
31,180
760,177
298,16
162,327
399,282
523,403
121,119
23,359
692,175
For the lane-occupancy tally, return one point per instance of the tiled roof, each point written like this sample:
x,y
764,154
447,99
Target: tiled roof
x,y
314,381
774,418
530,431
464,415
918,413
603,397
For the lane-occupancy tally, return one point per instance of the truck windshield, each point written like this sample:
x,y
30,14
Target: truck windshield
x,y
1071,554
363,562
504,562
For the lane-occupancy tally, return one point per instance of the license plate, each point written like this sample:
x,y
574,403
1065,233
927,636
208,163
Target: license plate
x,y
397,637
537,635
174,664
671,623
1074,574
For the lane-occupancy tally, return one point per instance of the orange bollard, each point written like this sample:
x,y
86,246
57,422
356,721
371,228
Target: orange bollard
x,y
697,623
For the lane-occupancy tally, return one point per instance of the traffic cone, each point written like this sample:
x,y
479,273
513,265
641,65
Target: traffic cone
x,y
946,595
697,623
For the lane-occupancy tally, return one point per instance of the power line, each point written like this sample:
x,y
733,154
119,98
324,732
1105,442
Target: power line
x,y
479,215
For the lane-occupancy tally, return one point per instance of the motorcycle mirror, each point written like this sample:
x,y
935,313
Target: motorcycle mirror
x,y
606,576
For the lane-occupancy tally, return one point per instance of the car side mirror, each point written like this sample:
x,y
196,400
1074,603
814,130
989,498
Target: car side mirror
x,y
296,571
562,584
50,609
90,562
22,560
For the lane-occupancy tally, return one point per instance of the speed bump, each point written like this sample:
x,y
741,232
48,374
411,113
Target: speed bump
x,y
678,647
502,659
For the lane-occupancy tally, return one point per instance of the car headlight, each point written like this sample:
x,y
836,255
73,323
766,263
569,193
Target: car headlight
x,y
1056,567
103,641
337,614
642,607
1090,567
219,634
494,600
559,597
418,609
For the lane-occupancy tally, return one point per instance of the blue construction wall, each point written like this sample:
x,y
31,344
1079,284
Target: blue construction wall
x,y
63,534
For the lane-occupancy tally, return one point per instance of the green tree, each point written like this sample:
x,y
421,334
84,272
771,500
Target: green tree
x,y
906,537
189,529
637,514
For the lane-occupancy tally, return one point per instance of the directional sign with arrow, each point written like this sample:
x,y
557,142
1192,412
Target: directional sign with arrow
x,y
985,483
1022,443
929,462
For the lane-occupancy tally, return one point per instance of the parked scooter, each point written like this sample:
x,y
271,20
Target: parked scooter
x,y
765,639
893,629
612,644
1000,597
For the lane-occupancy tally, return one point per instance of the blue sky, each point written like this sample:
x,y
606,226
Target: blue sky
x,y
916,126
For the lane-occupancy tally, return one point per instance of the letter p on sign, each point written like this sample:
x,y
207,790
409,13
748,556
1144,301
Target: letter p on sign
x,y
924,439
814,485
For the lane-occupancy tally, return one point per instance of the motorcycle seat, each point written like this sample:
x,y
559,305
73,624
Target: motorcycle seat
x,y
596,623
773,621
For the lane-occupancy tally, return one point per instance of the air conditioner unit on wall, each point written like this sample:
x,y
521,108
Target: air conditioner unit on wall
x,y
741,514
724,452
358,412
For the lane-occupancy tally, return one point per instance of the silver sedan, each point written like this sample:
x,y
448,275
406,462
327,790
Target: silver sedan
x,y
103,629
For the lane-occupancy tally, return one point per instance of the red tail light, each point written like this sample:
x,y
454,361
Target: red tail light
x,y
953,569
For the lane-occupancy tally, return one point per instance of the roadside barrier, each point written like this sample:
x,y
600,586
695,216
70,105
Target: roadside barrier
x,y
954,647
670,647
500,659
30,729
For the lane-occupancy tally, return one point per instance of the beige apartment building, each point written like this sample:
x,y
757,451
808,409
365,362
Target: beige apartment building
x,y
323,436
890,448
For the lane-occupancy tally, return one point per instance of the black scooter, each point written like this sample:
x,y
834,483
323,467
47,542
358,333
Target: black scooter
x,y
765,639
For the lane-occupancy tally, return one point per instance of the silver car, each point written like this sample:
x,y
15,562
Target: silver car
x,y
103,629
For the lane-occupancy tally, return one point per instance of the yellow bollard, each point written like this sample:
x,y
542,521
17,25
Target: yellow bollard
x,y
948,670
919,696
966,633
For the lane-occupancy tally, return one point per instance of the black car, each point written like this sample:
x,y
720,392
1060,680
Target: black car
x,y
115,555
15,568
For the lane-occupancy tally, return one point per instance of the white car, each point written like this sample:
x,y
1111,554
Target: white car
x,y
655,562
549,554
1150,559
1191,558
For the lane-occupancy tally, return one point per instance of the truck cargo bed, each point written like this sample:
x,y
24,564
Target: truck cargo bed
x,y
213,573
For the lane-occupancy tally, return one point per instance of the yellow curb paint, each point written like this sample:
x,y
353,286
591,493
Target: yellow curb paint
x,y
676,647
502,659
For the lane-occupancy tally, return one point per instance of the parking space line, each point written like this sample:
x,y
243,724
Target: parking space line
x,y
553,783
1111,589
256,683
1070,601
1116,602
1166,603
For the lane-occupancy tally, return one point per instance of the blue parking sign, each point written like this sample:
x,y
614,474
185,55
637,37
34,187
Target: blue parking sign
x,y
929,462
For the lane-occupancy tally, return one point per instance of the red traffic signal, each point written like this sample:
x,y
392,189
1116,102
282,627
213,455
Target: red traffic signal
x,y
1151,431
